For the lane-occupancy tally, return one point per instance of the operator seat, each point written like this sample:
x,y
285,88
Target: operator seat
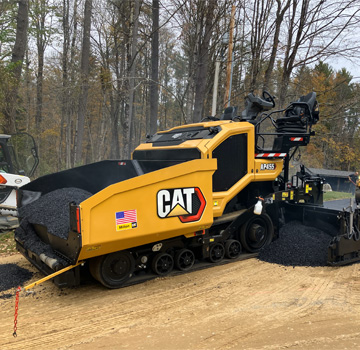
x,y
297,121
300,114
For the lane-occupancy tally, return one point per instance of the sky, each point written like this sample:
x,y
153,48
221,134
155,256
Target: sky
x,y
352,67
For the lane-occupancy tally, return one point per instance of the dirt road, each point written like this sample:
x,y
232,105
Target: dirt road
x,y
243,305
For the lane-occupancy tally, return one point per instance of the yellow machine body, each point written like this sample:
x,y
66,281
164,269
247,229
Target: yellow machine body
x,y
101,235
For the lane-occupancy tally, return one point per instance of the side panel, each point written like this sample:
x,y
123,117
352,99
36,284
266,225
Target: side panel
x,y
245,168
232,162
148,208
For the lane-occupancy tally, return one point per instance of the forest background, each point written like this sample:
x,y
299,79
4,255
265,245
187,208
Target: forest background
x,y
89,79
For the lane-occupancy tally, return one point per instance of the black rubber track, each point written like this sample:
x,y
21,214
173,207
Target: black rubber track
x,y
199,265
297,245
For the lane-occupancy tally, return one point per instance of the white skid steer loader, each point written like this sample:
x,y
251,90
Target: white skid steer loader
x,y
18,162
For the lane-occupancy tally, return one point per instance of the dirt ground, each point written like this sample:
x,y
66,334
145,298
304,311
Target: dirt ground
x,y
242,305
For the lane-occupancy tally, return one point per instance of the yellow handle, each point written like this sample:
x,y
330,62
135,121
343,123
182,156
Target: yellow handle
x,y
32,285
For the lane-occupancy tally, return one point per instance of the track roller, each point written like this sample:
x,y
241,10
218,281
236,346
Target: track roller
x,y
162,264
232,249
217,252
184,259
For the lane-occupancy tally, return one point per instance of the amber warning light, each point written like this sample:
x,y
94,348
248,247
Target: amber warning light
x,y
3,181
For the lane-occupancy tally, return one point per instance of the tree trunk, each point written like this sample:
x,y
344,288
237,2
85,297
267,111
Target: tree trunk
x,y
190,89
129,131
41,44
154,87
17,58
115,95
65,81
70,137
124,13
85,68
166,83
115,99
203,62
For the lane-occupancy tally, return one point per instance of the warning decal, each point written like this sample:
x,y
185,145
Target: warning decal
x,y
126,220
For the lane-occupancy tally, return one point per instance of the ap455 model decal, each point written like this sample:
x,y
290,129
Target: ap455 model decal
x,y
186,203
268,166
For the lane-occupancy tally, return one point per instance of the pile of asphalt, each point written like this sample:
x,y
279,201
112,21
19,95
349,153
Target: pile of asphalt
x,y
52,210
26,234
12,276
297,245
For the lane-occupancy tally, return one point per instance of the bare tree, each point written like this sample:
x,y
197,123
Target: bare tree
x,y
84,71
111,46
154,85
128,130
69,28
197,20
282,7
316,30
65,115
202,62
260,32
39,11
17,59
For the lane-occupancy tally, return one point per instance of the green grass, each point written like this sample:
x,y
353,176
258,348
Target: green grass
x,y
7,243
333,195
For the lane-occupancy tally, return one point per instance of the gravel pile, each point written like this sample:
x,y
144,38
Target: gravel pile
x,y
52,210
12,276
297,245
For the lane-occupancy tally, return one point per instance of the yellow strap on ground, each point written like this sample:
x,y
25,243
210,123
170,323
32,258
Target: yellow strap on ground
x,y
32,285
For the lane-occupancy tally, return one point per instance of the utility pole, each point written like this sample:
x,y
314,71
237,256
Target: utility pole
x,y
215,90
230,59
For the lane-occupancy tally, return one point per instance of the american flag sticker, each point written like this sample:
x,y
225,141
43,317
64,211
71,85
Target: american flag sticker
x,y
126,220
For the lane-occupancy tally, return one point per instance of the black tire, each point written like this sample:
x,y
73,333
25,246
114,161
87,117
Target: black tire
x,y
232,249
113,270
162,264
184,259
256,233
217,252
